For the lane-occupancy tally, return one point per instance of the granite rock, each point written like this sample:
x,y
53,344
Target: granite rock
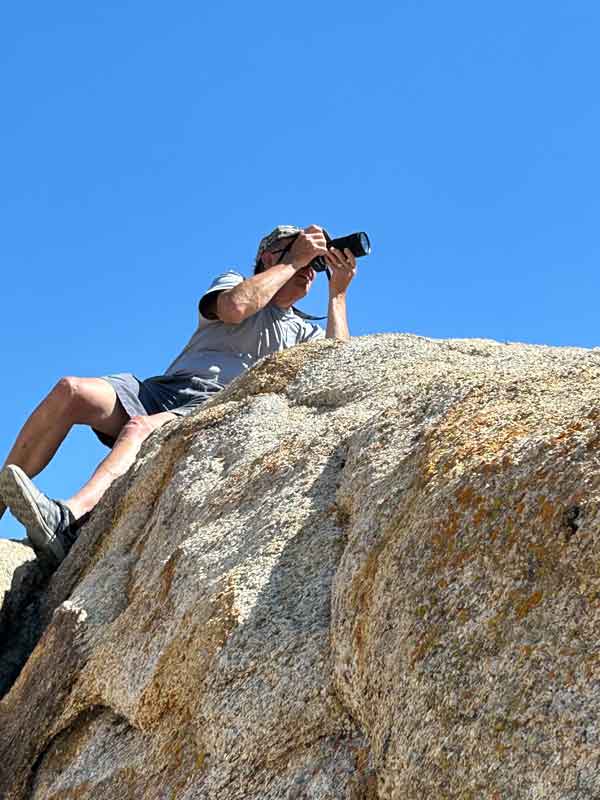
x,y
363,570
21,586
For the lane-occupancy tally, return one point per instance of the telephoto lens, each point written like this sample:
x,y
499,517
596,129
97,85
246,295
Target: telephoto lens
x,y
358,244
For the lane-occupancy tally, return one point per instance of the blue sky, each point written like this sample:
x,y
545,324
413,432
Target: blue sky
x,y
147,147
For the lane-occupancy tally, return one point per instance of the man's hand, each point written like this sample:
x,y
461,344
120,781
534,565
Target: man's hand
x,y
309,244
343,270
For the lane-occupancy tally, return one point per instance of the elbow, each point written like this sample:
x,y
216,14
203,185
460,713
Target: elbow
x,y
232,317
229,311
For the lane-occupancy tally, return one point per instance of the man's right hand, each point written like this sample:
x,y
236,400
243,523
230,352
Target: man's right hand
x,y
309,244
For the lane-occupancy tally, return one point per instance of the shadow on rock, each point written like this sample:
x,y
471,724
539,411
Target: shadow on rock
x,y
25,582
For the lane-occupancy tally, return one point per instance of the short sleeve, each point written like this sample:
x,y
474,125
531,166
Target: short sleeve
x,y
226,280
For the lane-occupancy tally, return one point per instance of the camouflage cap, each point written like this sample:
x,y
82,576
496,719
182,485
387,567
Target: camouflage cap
x,y
280,232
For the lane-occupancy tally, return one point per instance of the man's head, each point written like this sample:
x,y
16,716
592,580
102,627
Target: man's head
x,y
274,242
273,249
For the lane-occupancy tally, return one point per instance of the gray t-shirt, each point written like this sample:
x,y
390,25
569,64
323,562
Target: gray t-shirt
x,y
219,351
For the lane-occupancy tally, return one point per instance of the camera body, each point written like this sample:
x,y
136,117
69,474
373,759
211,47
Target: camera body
x,y
358,244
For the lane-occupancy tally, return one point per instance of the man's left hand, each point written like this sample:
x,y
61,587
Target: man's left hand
x,y
343,270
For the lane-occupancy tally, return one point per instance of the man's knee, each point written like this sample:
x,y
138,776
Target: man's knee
x,y
69,394
89,401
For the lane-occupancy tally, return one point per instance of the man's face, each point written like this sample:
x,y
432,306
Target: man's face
x,y
302,280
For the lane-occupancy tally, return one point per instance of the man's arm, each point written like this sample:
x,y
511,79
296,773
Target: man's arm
x,y
337,319
343,270
242,301
228,305
237,304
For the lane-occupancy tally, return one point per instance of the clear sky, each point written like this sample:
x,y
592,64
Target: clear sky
x,y
148,146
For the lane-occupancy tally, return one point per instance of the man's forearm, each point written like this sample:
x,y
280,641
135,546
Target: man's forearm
x,y
337,319
254,293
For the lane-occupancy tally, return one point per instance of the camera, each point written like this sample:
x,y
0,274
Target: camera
x,y
358,244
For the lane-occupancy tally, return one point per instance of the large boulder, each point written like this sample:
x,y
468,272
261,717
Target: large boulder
x,y
364,570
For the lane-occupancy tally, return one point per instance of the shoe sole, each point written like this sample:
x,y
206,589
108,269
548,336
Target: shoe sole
x,y
15,492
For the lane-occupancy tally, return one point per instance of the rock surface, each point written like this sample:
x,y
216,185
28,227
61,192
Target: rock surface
x,y
21,583
13,554
362,571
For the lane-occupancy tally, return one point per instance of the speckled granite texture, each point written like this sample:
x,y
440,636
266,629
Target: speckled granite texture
x,y
21,588
368,570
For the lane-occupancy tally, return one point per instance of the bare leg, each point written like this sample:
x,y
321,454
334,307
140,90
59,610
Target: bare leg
x,y
117,462
90,401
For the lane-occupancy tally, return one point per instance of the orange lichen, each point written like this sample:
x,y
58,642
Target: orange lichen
x,y
465,496
425,645
530,603
166,577
480,516
547,511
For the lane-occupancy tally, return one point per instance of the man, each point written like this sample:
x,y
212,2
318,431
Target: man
x,y
241,320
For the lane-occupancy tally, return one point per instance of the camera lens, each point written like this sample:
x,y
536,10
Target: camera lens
x,y
358,244
364,243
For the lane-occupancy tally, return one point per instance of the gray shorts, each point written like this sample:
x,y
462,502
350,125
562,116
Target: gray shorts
x,y
179,394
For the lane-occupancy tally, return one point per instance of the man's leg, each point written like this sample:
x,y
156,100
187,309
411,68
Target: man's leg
x,y
117,462
51,524
88,401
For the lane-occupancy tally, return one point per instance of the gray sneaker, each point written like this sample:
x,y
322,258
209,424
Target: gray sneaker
x,y
50,524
